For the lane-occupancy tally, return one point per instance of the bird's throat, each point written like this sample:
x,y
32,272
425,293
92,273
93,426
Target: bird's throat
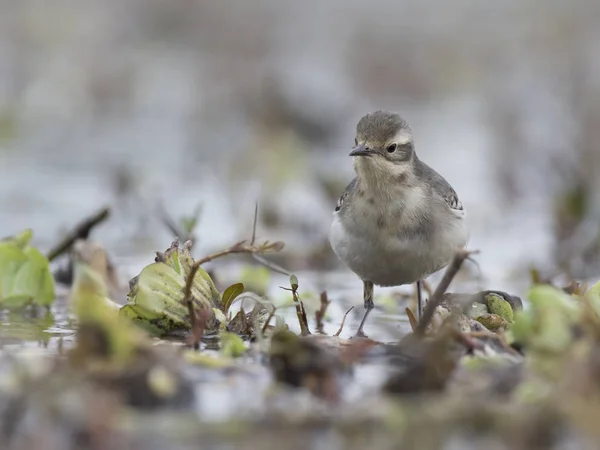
x,y
382,177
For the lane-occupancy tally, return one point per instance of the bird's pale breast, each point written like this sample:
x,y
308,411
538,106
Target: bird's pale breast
x,y
392,249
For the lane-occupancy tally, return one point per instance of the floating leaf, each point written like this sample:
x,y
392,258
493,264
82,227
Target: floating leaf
x,y
232,345
156,297
547,325
24,273
230,294
500,307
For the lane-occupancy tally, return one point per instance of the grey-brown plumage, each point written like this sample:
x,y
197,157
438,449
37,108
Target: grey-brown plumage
x,y
399,220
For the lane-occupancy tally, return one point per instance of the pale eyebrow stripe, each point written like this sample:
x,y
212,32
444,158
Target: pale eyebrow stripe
x,y
401,139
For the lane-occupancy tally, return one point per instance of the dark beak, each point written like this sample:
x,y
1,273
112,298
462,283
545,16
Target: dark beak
x,y
360,150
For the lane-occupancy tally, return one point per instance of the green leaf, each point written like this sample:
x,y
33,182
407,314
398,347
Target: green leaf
x,y
232,345
547,325
294,282
594,291
96,312
22,239
230,294
24,273
156,301
500,307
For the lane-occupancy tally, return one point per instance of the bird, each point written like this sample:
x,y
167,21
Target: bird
x,y
398,221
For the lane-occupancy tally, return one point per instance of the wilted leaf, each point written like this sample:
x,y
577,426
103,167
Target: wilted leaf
x,y
492,321
272,247
412,320
24,273
156,300
230,294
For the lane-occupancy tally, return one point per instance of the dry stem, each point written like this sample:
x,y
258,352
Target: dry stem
x,y
436,298
81,231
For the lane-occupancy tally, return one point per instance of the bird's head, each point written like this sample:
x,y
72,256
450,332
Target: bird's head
x,y
383,145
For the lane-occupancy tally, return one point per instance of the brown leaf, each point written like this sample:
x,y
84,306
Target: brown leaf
x,y
411,319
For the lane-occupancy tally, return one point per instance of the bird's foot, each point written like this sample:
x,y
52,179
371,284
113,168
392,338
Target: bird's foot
x,y
360,334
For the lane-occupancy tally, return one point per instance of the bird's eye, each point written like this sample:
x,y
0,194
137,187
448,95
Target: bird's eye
x,y
391,148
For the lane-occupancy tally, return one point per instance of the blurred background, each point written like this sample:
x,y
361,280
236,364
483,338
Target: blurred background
x,y
155,107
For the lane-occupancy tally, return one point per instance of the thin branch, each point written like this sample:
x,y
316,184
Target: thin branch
x,y
339,331
320,314
436,298
270,265
254,224
81,231
300,312
193,321
266,325
240,247
180,230
169,223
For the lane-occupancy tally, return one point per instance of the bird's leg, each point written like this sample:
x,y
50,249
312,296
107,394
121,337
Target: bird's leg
x,y
419,299
368,297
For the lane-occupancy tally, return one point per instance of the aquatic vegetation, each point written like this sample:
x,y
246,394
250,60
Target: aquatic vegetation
x,y
475,364
25,276
156,299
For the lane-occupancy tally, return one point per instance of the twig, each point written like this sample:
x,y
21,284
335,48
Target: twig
x,y
339,331
240,247
320,314
300,312
265,326
180,230
170,223
81,231
193,322
251,248
254,224
436,298
270,265
198,320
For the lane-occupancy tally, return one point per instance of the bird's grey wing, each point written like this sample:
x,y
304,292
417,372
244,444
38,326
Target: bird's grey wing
x,y
440,186
349,189
451,197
